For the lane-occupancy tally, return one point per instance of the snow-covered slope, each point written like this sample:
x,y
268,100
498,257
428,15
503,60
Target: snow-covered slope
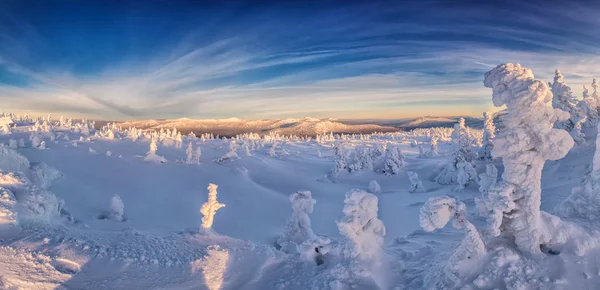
x,y
57,234
234,126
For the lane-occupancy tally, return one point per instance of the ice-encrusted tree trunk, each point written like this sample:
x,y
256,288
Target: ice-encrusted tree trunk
x,y
437,212
528,140
563,99
361,227
489,132
415,183
210,207
298,228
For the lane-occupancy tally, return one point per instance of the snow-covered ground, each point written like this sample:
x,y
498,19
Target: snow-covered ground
x,y
97,211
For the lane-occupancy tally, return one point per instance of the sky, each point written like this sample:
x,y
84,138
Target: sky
x,y
118,60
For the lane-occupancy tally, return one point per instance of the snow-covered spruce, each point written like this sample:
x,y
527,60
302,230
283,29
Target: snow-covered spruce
x,y
529,139
459,169
563,99
489,132
374,187
298,227
151,156
437,212
433,150
210,207
415,183
588,107
393,160
488,179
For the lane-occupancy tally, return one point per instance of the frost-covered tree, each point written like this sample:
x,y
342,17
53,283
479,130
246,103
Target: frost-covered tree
x,y
393,160
374,187
433,151
584,201
189,153
415,183
196,155
528,140
210,207
298,228
465,174
437,212
341,163
588,107
116,209
151,156
361,227
12,144
489,132
460,168
488,179
577,132
563,99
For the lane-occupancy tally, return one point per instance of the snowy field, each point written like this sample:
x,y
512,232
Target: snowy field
x,y
124,208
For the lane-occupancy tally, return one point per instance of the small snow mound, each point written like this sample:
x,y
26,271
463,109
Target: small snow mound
x,y
66,266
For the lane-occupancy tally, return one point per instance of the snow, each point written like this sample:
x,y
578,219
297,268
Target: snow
x,y
74,220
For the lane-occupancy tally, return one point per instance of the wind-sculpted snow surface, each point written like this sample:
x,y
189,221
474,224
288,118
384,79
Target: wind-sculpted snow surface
x,y
524,146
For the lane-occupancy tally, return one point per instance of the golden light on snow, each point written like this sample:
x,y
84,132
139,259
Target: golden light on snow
x,y
213,267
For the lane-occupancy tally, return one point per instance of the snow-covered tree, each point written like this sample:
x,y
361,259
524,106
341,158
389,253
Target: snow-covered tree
x,y
563,99
189,153
415,183
116,209
528,140
12,144
151,156
577,131
433,151
196,155
588,107
374,187
584,201
210,207
341,163
460,168
437,212
488,179
465,174
393,160
298,227
489,132
361,227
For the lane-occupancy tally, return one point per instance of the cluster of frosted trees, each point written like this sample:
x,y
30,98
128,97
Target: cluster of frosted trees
x,y
362,232
533,133
582,113
385,158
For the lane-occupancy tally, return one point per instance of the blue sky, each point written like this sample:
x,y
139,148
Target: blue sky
x,y
260,59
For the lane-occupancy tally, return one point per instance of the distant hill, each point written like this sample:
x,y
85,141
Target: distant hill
x,y
302,127
234,126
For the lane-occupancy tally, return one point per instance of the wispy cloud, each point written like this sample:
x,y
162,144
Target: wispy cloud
x,y
360,61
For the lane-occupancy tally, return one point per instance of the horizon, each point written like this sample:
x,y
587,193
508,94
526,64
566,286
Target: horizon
x,y
254,60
